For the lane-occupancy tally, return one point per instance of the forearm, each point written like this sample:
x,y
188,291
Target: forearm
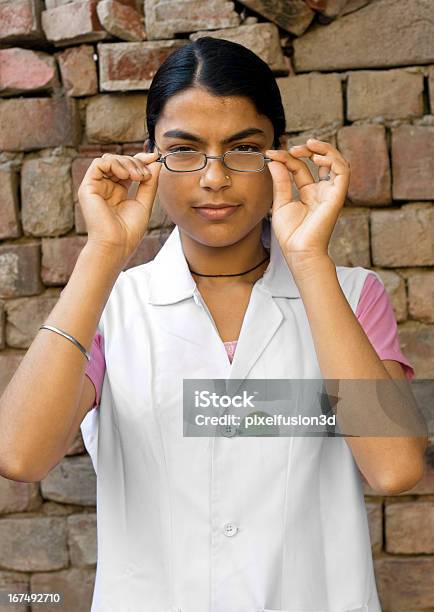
x,y
39,404
345,352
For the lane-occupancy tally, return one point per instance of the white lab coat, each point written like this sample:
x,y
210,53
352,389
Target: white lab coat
x,y
218,524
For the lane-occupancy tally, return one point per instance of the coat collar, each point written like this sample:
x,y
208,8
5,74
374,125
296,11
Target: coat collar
x,y
171,280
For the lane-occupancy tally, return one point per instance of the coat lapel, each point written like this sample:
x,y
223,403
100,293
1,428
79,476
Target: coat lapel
x,y
171,283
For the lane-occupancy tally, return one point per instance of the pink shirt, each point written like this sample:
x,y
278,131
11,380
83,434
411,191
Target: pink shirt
x,y
374,313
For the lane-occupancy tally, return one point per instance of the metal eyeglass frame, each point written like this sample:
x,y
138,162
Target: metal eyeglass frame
x,y
162,159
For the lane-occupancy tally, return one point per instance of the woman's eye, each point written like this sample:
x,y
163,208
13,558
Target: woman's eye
x,y
186,148
182,147
254,147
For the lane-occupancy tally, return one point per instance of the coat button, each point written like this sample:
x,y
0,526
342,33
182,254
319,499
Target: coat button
x,y
228,430
230,529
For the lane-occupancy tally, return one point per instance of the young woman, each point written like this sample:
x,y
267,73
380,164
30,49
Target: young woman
x,y
231,523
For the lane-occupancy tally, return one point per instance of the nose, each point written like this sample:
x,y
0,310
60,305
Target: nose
x,y
214,174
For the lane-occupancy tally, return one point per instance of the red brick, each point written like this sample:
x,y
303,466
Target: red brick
x,y
20,21
375,521
421,296
76,584
394,285
82,539
9,211
372,37
405,583
116,118
121,21
59,256
2,324
18,496
14,582
334,8
24,317
365,147
311,101
50,122
349,242
73,23
389,94
79,168
164,20
431,87
294,16
19,270
96,150
261,38
126,66
413,162
72,481
410,527
78,70
404,236
24,70
46,190
9,362
42,543
77,446
417,344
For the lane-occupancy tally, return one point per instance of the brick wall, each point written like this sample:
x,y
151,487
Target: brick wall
x,y
73,83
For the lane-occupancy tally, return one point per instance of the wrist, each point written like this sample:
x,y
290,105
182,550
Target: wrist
x,y
306,269
108,257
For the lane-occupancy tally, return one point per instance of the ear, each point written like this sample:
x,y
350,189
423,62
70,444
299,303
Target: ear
x,y
147,145
283,140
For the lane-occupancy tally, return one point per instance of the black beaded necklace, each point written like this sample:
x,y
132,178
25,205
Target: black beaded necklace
x,y
240,274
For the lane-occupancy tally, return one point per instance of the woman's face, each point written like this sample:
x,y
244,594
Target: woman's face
x,y
213,119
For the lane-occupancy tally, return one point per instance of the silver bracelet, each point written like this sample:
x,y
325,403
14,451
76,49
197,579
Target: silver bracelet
x,y
62,333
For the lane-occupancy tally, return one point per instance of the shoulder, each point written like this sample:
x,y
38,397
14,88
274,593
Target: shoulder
x,y
355,281
357,274
131,279
130,289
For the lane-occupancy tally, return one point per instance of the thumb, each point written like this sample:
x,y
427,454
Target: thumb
x,y
283,181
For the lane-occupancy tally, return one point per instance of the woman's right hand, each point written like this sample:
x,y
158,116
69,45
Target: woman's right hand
x,y
115,224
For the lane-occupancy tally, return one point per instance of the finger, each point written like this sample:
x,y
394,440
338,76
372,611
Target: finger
x,y
334,164
301,173
314,146
148,187
110,167
135,171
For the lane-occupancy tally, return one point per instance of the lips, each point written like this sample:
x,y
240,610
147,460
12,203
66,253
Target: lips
x,y
211,205
216,211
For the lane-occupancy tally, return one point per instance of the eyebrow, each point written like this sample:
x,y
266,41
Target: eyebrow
x,y
176,133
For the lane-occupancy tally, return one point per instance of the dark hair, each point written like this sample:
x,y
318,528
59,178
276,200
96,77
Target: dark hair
x,y
222,67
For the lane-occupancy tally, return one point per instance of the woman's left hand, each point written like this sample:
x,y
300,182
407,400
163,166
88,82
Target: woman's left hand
x,y
303,227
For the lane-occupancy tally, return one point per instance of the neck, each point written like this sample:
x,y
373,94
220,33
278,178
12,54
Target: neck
x,y
231,259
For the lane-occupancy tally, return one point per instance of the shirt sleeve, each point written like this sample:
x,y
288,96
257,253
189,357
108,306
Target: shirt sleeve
x,y
375,314
95,368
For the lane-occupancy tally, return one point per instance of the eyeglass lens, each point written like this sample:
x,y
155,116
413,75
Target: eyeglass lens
x,y
185,161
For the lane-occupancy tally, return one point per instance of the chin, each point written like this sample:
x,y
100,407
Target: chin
x,y
221,233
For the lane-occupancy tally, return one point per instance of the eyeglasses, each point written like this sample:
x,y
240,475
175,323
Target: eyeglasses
x,y
191,161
